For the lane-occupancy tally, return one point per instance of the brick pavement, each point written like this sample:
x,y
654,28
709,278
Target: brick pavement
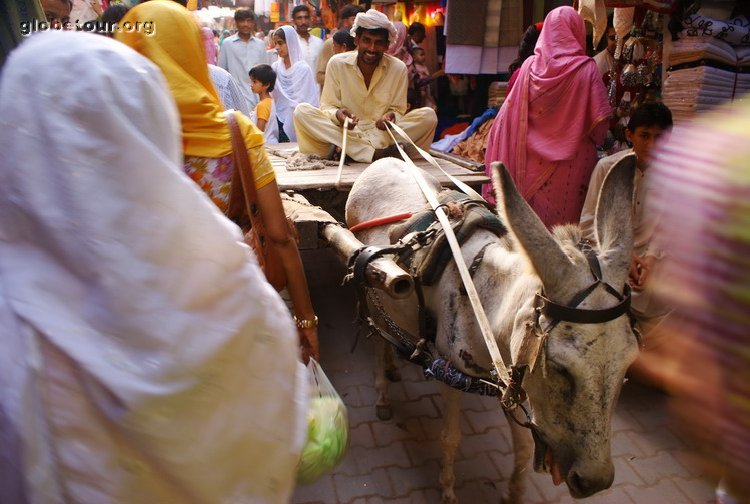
x,y
397,461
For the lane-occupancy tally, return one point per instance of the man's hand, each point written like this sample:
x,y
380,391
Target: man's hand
x,y
388,117
343,113
640,268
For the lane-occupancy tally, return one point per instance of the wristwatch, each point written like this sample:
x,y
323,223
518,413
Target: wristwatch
x,y
306,324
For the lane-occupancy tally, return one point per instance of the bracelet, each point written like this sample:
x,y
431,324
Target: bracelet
x,y
305,324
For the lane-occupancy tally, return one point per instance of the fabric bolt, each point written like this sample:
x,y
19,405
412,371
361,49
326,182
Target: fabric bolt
x,y
735,31
492,23
465,59
461,22
177,49
133,367
294,85
690,49
502,24
229,91
318,129
546,139
398,47
237,57
693,90
474,147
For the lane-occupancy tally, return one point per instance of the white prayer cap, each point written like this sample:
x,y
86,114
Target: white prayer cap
x,y
372,20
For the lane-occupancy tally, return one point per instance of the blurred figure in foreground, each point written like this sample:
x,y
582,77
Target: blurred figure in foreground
x,y
703,179
144,357
177,50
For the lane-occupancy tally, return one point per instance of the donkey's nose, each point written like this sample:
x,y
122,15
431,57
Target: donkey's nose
x,y
583,485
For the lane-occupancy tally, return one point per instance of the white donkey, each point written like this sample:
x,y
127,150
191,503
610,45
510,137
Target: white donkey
x,y
575,376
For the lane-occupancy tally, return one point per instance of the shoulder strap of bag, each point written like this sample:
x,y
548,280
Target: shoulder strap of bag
x,y
243,183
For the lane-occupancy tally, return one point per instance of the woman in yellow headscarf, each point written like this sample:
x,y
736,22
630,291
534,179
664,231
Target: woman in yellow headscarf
x,y
176,47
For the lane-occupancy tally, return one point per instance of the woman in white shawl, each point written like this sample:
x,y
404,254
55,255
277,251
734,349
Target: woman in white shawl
x,y
144,357
295,82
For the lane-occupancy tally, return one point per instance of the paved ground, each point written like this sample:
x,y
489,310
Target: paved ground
x,y
397,461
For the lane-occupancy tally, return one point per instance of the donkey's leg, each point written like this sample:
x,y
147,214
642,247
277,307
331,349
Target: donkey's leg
x,y
383,354
522,449
449,438
391,371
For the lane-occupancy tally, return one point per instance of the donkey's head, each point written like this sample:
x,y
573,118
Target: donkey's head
x,y
574,383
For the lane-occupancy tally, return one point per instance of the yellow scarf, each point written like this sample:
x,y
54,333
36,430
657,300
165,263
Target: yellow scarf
x,y
176,47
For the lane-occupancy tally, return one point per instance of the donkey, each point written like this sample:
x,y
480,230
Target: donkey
x,y
580,367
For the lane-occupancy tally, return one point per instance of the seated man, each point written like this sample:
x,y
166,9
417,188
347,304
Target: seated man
x,y
369,87
647,123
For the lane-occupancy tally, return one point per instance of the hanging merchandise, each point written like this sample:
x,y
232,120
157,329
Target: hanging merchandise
x,y
274,17
595,12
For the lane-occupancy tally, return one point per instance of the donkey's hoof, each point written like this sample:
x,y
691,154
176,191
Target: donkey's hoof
x,y
383,412
393,375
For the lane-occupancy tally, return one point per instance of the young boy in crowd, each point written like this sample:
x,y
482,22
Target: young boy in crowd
x,y
422,79
647,124
262,80
343,42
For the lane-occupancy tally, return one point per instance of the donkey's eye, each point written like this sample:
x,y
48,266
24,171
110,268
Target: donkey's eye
x,y
562,380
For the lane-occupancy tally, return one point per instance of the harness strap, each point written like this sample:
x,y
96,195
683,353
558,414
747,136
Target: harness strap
x,y
559,312
337,184
500,369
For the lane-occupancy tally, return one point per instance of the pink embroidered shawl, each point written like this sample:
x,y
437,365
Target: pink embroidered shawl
x,y
556,103
209,44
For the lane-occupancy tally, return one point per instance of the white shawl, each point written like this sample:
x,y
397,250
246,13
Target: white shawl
x,y
144,357
294,85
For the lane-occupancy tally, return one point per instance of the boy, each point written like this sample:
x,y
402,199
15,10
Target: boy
x,y
422,79
262,81
647,124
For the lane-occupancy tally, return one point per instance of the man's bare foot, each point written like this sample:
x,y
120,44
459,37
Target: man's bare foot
x,y
334,153
390,151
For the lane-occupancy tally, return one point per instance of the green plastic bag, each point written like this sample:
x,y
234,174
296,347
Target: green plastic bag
x,y
327,428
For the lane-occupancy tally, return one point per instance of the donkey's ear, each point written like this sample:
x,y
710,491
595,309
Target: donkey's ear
x,y
546,256
614,215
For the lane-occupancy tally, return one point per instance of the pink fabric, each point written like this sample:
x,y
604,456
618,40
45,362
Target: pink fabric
x,y
547,130
398,47
512,81
209,45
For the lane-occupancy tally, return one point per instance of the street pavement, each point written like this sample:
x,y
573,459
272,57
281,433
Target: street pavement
x,y
397,461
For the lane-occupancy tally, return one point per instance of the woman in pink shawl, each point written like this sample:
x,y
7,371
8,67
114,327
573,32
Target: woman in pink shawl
x,y
547,130
209,44
399,48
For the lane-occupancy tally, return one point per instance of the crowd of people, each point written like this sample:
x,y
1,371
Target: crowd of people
x,y
88,289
